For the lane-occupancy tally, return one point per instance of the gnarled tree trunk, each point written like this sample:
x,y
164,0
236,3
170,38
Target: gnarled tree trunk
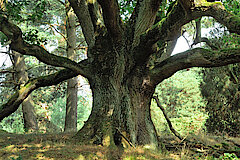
x,y
121,99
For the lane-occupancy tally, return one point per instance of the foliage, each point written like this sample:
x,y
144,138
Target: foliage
x,y
32,36
221,89
19,10
228,156
232,5
181,98
13,123
58,111
18,158
126,7
223,99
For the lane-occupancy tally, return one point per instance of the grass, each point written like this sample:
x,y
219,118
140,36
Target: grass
x,y
60,147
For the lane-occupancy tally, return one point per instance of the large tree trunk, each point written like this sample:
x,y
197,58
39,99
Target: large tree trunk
x,y
72,84
29,115
121,100
121,108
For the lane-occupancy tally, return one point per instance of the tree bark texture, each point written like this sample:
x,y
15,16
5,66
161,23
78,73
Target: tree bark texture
x,y
72,84
29,115
121,99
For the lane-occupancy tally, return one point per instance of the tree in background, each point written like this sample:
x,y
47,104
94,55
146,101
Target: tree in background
x,y
49,101
72,84
21,76
124,62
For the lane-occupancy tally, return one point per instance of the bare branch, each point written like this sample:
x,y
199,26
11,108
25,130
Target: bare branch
x,y
81,10
61,2
112,18
6,71
14,33
52,26
199,39
207,41
197,57
167,119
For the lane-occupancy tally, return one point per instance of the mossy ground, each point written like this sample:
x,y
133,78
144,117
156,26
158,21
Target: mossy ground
x,y
62,147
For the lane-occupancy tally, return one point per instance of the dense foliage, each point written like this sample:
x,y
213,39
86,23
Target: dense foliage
x,y
222,93
181,97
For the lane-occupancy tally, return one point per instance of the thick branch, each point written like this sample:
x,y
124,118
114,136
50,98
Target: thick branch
x,y
14,34
169,26
197,57
96,16
19,96
146,15
111,18
187,4
81,10
166,30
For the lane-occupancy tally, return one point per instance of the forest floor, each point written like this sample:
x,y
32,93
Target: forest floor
x,y
60,147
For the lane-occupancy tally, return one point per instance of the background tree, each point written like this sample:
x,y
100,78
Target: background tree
x,y
72,84
123,65
21,75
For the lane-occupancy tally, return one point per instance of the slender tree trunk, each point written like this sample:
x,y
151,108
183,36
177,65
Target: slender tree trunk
x,y
29,115
72,84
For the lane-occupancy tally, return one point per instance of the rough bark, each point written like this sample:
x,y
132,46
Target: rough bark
x,y
197,57
29,115
72,84
81,10
112,18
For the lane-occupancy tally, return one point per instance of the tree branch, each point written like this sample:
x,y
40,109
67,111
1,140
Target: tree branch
x,y
19,96
96,17
81,10
145,17
187,4
14,34
197,57
165,30
167,119
170,26
207,41
112,18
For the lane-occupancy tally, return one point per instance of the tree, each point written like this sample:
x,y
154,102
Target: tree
x,y
123,65
72,84
29,115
